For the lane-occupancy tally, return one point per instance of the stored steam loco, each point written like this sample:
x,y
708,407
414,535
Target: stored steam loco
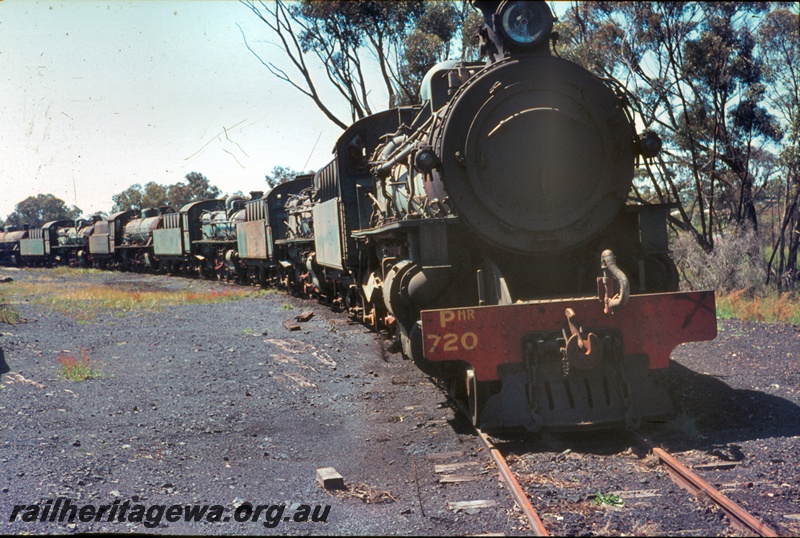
x,y
477,223
277,237
59,242
10,238
487,229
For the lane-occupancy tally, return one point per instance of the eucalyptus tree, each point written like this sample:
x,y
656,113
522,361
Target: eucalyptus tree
x,y
779,40
197,187
399,41
694,73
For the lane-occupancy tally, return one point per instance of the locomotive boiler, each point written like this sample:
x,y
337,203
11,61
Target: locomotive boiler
x,y
136,250
489,227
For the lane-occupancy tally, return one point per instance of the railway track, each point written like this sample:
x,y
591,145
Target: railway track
x,y
691,482
678,473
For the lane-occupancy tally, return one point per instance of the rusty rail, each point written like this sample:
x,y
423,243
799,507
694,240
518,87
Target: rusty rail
x,y
513,485
689,481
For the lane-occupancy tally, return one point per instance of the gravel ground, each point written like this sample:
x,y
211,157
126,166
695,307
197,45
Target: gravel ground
x,y
220,404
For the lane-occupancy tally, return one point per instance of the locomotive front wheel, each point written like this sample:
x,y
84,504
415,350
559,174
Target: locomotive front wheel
x,y
473,406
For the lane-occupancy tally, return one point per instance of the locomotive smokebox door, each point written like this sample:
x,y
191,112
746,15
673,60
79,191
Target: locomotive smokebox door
x,y
537,155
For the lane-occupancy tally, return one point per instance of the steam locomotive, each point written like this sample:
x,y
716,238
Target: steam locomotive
x,y
486,228
477,223
10,238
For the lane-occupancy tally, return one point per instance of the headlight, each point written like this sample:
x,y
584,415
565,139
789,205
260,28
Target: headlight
x,y
648,144
525,24
426,160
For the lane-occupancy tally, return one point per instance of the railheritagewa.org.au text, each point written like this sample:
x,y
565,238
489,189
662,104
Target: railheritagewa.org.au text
x,y
64,510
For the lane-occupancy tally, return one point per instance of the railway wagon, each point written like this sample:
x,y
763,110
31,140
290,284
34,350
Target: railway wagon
x,y
217,246
200,239
135,252
72,244
41,247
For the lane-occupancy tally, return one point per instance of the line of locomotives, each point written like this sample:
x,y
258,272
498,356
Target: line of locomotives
x,y
487,228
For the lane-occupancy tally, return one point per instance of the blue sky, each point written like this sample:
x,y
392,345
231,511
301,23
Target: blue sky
x,y
99,95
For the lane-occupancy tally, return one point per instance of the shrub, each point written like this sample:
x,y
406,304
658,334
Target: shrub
x,y
772,307
735,263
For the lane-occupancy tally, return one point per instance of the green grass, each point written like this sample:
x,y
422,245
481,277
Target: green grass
x,y
766,253
77,369
286,306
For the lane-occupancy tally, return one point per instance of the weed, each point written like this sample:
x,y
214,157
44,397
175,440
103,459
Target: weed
x,y
286,306
77,369
8,314
63,270
248,331
684,425
608,499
